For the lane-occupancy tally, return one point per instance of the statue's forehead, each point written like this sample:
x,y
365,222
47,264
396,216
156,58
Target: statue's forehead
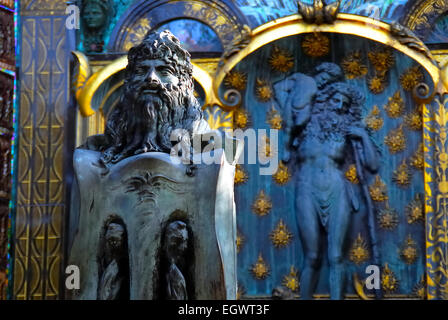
x,y
341,95
152,63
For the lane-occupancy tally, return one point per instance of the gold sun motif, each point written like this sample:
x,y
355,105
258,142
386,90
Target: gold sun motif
x,y
359,252
414,210
353,66
414,120
395,106
291,280
374,120
396,140
382,60
240,291
409,252
241,175
410,78
419,289
239,241
260,270
274,119
236,79
378,190
388,218
351,174
262,204
265,150
280,236
377,84
402,176
417,159
282,176
281,60
316,45
241,118
389,281
263,90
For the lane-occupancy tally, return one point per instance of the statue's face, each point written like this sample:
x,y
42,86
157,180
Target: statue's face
x,y
94,16
149,75
339,103
115,235
322,79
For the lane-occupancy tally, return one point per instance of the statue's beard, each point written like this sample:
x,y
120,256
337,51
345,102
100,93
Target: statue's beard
x,y
155,116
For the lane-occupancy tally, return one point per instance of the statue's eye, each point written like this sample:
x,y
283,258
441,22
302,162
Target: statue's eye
x,y
166,70
140,71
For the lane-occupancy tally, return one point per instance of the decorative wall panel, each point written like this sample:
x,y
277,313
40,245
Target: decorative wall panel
x,y
7,63
40,208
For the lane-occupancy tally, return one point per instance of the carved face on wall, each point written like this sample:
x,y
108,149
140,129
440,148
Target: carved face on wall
x,y
115,236
176,240
94,16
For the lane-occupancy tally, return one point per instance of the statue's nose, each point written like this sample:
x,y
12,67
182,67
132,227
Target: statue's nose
x,y
152,78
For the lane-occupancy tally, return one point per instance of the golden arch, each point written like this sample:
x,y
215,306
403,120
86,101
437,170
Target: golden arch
x,y
345,24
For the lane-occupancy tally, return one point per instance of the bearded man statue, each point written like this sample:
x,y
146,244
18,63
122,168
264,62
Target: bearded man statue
x,y
158,99
132,204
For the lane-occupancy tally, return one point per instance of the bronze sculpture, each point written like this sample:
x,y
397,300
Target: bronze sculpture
x,y
136,204
326,132
158,99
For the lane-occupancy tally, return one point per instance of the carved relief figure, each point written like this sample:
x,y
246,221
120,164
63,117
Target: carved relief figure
x,y
175,246
327,132
113,281
158,98
95,15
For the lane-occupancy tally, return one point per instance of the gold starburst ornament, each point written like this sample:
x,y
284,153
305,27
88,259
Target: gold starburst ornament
x,y
414,210
262,204
377,84
374,121
417,160
282,175
236,80
274,119
378,190
281,236
263,90
240,291
395,106
241,118
260,270
402,176
291,280
316,45
396,140
281,60
411,77
409,251
241,175
419,289
239,241
388,218
359,252
382,60
414,120
389,281
353,66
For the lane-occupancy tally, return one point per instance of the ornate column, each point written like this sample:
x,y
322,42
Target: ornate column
x,y
40,195
436,190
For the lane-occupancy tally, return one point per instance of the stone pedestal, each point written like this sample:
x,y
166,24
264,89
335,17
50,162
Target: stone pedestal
x,y
145,193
